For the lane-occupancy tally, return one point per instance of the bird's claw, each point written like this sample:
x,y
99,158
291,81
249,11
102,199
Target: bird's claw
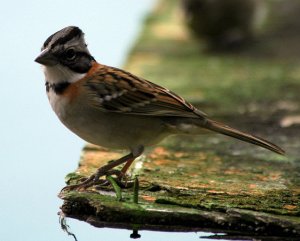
x,y
94,180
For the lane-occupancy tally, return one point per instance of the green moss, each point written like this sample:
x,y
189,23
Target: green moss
x,y
72,178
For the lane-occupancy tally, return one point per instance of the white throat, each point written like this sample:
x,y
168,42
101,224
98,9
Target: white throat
x,y
58,74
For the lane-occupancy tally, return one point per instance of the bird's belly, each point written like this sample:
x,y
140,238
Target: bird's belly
x,y
114,131
111,130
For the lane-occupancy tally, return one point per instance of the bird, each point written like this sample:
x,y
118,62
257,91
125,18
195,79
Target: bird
x,y
116,109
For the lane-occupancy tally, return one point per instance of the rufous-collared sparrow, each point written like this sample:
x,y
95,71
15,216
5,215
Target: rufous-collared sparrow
x,y
113,108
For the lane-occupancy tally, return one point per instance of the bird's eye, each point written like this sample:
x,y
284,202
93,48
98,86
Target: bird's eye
x,y
70,54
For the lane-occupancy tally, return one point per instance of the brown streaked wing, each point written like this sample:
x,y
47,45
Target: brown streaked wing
x,y
112,89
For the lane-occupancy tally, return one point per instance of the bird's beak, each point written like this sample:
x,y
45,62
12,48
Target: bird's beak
x,y
46,58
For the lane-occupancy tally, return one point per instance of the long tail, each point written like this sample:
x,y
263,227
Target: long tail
x,y
229,131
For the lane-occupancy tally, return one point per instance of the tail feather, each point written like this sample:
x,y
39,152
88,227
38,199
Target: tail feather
x,y
229,131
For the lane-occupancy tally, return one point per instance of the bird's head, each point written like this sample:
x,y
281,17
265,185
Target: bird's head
x,y
65,56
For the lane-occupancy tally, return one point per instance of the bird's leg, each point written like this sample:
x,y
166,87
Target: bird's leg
x,y
137,151
125,167
108,170
121,175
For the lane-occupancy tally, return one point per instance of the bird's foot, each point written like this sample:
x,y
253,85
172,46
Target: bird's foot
x,y
120,178
108,170
94,179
